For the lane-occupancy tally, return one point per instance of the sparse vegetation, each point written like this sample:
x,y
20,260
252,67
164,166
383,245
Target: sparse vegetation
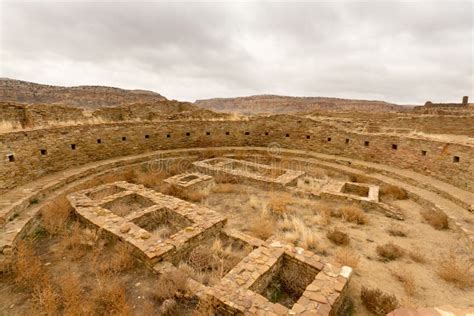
x,y
397,231
406,279
456,271
390,251
392,192
378,302
417,255
54,215
354,214
338,237
437,219
347,257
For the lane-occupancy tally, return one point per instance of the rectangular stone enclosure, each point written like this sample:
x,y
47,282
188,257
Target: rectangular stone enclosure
x,y
249,172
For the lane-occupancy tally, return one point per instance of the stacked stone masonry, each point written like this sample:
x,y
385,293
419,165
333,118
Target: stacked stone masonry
x,y
239,290
28,155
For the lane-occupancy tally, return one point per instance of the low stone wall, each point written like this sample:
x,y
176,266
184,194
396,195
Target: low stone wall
x,y
27,155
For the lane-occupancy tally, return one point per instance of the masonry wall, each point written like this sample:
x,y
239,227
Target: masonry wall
x,y
22,159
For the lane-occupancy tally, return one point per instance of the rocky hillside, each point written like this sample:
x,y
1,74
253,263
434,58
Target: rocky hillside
x,y
91,97
283,104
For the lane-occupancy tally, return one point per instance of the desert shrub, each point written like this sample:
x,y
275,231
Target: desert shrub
x,y
392,192
308,239
437,219
325,213
262,227
378,302
121,260
390,251
27,267
71,293
347,307
455,270
347,257
47,299
397,231
54,215
278,203
338,237
168,308
354,214
406,279
170,285
417,255
110,298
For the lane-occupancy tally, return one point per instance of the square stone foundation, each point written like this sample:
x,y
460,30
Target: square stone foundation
x,y
249,172
189,182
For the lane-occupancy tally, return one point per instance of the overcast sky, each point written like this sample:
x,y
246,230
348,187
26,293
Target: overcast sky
x,y
402,52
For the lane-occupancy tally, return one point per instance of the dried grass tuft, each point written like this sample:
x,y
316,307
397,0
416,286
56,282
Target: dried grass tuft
x,y
437,219
390,251
456,271
392,192
354,214
406,279
55,214
378,302
347,257
338,237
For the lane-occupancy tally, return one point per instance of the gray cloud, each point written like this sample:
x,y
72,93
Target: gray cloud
x,y
405,52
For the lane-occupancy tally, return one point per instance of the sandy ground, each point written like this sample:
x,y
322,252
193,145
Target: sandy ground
x,y
242,207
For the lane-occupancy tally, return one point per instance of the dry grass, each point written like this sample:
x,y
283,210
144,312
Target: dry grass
x,y
262,227
390,251
397,231
359,178
347,257
437,219
325,214
47,299
406,279
170,285
71,291
28,268
354,214
121,261
278,203
456,271
55,214
378,302
224,188
392,192
338,237
417,255
110,298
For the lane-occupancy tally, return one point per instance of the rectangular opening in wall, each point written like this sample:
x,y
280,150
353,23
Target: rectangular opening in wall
x,y
423,152
394,146
227,133
247,133
456,159
287,135
308,137
266,133
347,140
208,133
168,135
188,134
43,152
366,143
99,141
124,138
162,222
147,136
11,158
329,139
73,146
